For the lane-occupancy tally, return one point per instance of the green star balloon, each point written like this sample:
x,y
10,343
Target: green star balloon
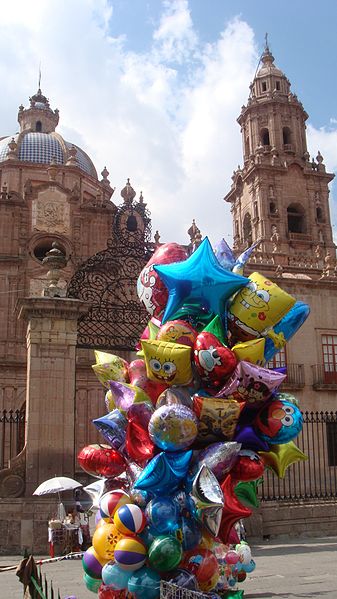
x,y
216,328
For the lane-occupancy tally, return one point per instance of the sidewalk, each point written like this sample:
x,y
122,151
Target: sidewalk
x,y
306,569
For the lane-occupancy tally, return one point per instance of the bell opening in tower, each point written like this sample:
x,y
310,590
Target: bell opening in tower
x,y
296,222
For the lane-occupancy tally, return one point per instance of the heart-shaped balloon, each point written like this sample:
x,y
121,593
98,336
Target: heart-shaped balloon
x,y
138,443
214,362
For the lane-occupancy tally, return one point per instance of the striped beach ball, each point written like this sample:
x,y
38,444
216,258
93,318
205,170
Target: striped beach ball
x,y
130,553
129,519
93,563
110,502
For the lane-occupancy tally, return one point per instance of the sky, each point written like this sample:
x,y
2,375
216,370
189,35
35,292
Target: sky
x,y
151,89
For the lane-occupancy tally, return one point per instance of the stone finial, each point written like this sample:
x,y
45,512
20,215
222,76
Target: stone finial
x,y
141,198
12,149
320,163
53,169
72,160
193,230
157,238
105,173
128,193
55,261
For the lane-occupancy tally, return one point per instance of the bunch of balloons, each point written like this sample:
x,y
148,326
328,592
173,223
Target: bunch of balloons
x,y
190,426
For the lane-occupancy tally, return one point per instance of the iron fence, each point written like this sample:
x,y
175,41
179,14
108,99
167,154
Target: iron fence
x,y
12,434
316,477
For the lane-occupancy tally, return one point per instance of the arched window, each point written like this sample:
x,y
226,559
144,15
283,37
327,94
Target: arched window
x,y
286,136
236,228
247,229
319,214
272,208
247,150
296,221
38,126
265,137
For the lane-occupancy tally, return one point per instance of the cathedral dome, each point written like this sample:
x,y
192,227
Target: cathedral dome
x,y
38,142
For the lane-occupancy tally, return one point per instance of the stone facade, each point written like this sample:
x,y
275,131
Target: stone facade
x,y
280,197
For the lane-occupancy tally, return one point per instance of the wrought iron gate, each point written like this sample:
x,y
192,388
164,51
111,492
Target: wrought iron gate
x,y
109,281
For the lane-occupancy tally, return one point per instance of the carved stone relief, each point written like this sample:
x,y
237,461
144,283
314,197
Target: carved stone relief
x,y
51,212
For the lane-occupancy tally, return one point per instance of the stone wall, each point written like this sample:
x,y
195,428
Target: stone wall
x,y
24,525
293,519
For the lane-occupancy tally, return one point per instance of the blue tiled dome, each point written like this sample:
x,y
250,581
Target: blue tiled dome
x,y
42,148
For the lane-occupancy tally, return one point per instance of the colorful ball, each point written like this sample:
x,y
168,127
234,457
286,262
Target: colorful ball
x,y
93,563
129,519
110,502
165,553
114,577
92,584
104,540
130,553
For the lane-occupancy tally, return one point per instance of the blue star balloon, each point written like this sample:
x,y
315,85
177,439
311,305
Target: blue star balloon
x,y
200,278
163,474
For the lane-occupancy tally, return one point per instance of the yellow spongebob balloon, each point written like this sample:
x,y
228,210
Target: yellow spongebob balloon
x,y
250,351
167,362
256,308
109,367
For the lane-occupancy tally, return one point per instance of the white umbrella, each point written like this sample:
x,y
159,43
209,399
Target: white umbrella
x,y
57,485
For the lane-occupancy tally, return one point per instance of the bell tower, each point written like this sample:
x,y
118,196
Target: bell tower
x,y
280,195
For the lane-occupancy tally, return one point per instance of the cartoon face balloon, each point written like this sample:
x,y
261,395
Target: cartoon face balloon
x,y
214,362
256,307
168,363
279,422
151,290
177,331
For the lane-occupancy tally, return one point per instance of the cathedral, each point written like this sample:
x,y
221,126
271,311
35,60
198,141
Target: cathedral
x,y
68,258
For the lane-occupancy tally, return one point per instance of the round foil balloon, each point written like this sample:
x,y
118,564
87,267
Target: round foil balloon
x,y
279,422
173,427
101,460
204,565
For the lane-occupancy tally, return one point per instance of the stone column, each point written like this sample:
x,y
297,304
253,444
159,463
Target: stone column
x,y
50,395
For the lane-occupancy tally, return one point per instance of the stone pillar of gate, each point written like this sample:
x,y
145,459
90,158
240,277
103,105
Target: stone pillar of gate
x,y
50,394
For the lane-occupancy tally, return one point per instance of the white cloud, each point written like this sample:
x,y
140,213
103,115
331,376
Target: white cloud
x,y
165,118
175,36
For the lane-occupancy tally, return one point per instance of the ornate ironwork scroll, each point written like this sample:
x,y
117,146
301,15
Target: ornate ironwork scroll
x,y
109,281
